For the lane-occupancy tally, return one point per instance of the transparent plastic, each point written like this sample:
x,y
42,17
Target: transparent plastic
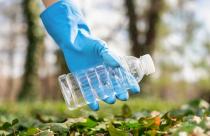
x,y
100,82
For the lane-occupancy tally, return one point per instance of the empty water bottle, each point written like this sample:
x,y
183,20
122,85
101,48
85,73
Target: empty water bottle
x,y
100,82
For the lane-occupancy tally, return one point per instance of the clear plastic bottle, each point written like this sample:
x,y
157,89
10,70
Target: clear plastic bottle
x,y
100,82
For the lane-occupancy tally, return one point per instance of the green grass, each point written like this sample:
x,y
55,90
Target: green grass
x,y
59,108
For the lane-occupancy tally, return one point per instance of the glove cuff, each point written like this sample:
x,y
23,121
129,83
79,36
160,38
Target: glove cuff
x,y
61,22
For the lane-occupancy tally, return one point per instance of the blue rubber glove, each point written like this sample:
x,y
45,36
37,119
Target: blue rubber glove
x,y
81,50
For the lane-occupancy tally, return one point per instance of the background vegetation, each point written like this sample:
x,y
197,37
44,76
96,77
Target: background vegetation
x,y
174,32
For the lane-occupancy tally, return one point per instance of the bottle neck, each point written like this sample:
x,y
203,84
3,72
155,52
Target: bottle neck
x,y
142,66
146,64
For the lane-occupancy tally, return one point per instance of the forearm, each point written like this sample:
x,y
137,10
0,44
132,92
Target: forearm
x,y
47,3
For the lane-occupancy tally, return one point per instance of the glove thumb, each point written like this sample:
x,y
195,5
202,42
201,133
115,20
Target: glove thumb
x,y
110,59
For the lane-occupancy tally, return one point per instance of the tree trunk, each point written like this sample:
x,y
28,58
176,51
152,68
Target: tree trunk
x,y
35,36
152,17
50,82
61,64
132,27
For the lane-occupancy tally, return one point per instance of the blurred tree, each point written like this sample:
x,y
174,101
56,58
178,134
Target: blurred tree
x,y
143,41
35,36
62,67
203,85
152,19
52,82
182,24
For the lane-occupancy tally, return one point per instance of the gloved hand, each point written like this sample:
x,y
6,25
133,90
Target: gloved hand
x,y
81,50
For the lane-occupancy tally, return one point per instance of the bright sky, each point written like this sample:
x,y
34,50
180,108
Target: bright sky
x,y
203,12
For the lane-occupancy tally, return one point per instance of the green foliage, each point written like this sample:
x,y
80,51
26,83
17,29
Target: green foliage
x,y
113,131
126,111
192,118
9,128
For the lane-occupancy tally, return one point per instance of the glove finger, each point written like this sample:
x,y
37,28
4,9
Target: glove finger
x,y
118,85
114,61
87,92
120,92
110,59
94,106
116,79
134,87
110,100
132,84
91,99
99,81
106,90
123,96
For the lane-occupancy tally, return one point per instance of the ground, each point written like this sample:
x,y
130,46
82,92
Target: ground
x,y
136,117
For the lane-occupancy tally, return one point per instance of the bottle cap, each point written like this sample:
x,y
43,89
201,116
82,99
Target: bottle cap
x,y
148,64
